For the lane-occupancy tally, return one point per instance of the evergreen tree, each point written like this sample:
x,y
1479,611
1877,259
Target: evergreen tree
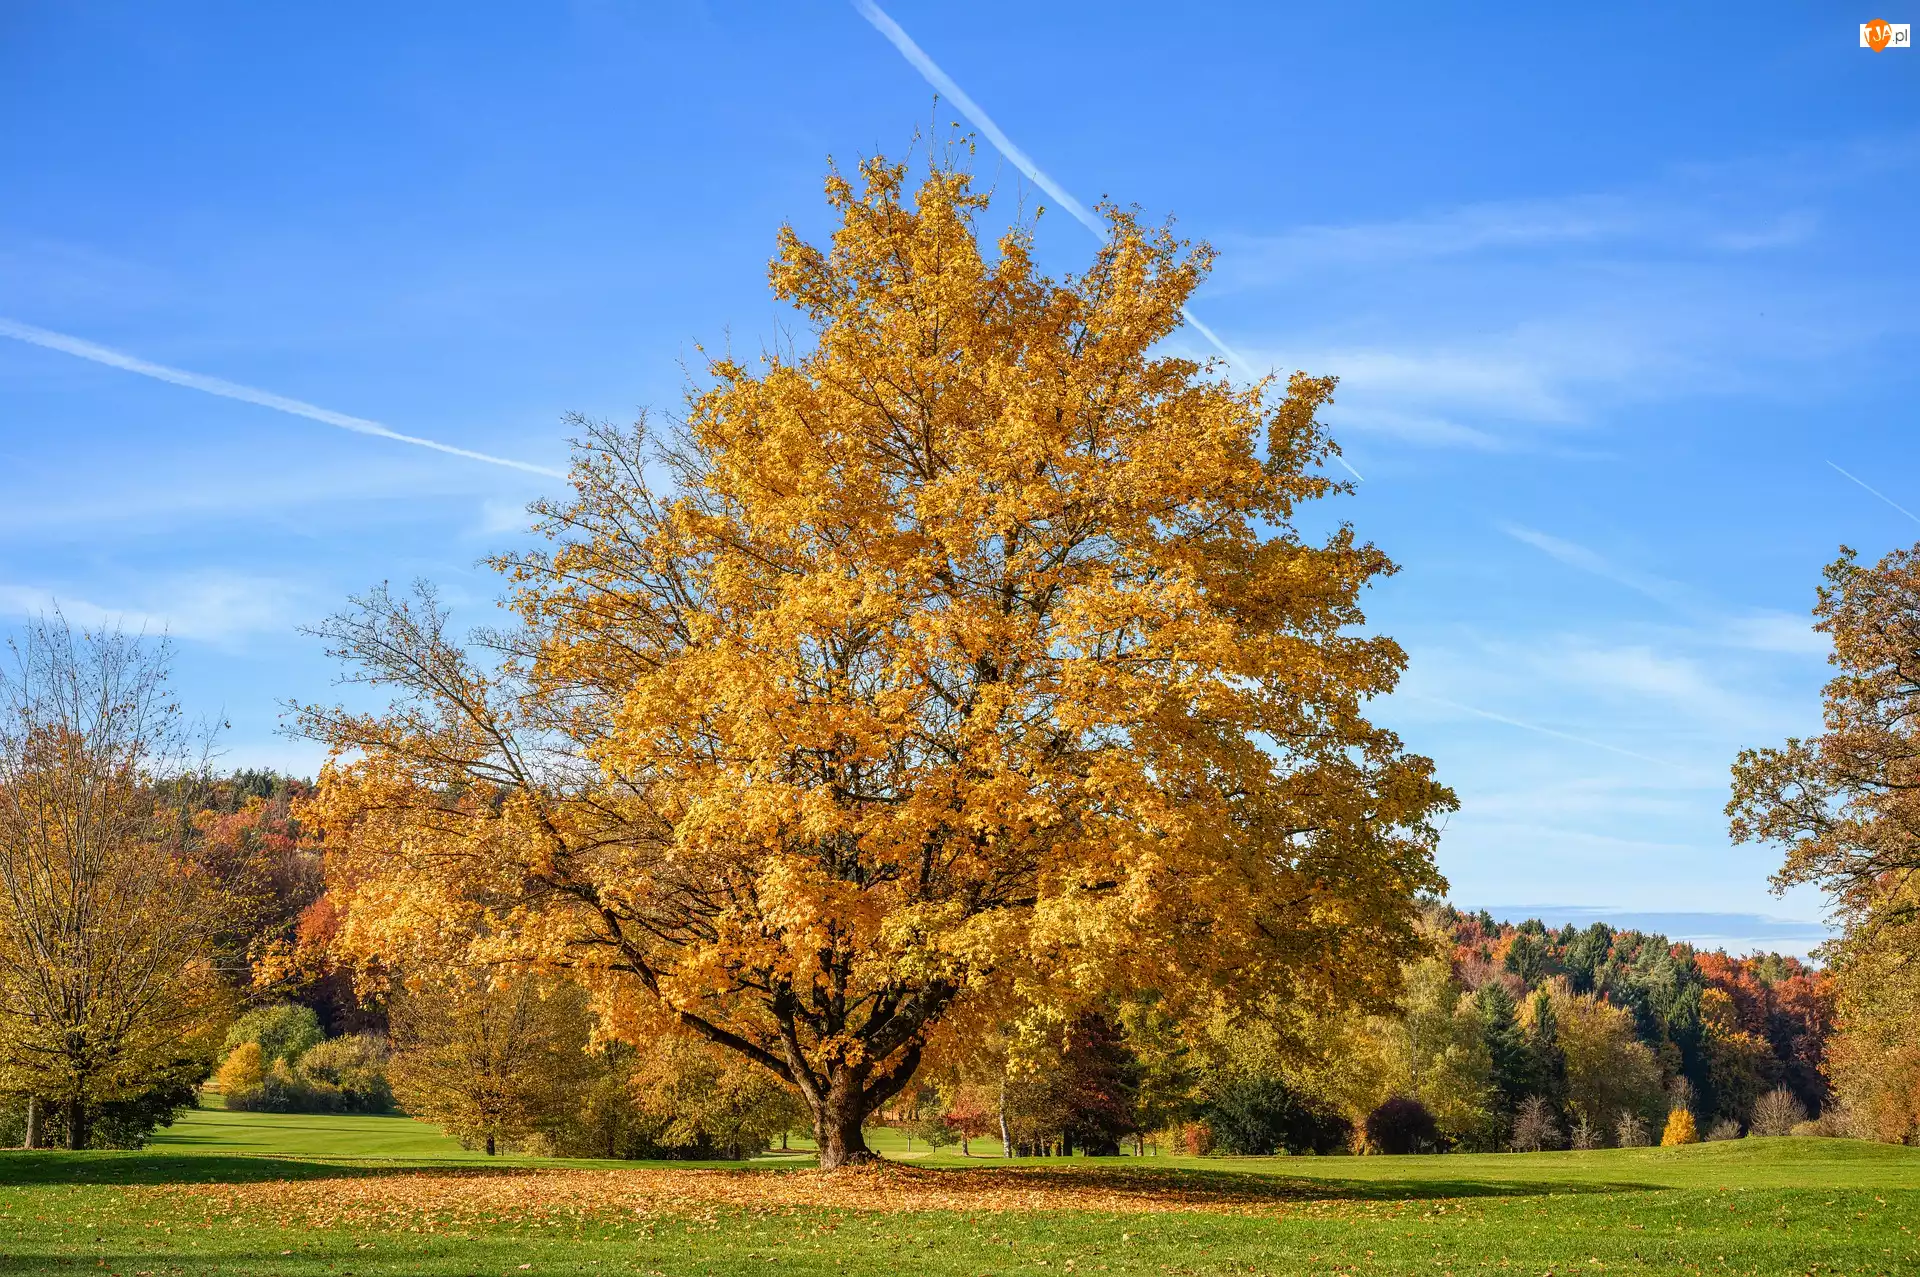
x,y
1100,1079
1586,954
1686,1029
1548,1064
1515,1075
1527,955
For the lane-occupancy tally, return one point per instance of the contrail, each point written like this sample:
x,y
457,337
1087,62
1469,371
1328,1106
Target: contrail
x,y
1535,727
930,72
1883,496
942,82
247,394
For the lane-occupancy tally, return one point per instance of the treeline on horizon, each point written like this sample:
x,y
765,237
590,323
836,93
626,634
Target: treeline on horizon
x,y
1507,1035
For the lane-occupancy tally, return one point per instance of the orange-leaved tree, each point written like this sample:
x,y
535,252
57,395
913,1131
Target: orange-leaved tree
x,y
1845,807
969,658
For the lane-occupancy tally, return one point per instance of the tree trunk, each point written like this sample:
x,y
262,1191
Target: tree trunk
x,y
839,1109
76,1124
33,1121
1006,1140
490,1145
842,1142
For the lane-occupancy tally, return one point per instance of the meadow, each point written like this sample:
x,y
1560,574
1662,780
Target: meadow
x,y
233,1193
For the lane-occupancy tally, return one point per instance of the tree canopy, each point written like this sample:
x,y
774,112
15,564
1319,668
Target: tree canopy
x,y
969,657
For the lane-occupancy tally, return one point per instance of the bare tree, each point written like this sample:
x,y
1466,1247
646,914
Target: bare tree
x,y
1535,1128
1778,1112
105,982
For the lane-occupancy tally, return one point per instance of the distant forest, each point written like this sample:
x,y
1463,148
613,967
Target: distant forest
x,y
1506,1035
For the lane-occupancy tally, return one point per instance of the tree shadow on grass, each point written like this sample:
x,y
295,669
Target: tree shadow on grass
x,y
20,1168
1238,1186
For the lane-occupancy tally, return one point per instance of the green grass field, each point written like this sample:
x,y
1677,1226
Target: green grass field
x,y
235,1193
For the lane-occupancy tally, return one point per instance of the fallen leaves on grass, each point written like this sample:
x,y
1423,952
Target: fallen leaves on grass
x,y
432,1199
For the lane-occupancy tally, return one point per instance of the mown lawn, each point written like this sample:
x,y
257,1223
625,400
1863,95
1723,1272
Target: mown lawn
x,y
380,1195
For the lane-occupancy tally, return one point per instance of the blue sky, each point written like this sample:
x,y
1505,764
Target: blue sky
x,y
1612,290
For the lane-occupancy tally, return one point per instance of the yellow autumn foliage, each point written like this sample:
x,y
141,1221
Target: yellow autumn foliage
x,y
1680,1129
108,982
242,1071
970,659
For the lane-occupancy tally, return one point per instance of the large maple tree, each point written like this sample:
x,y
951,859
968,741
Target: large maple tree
x,y
965,658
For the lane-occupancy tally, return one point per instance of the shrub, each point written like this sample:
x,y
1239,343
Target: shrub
x,y
1680,1129
1256,1116
1402,1125
1833,1124
1724,1129
1195,1139
347,1074
339,1075
1778,1112
283,1031
278,1091
1631,1131
1586,1135
242,1072
1534,1126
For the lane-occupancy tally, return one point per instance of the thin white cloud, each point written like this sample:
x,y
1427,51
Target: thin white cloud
x,y
1638,671
933,74
1591,800
1782,632
98,354
1536,728
1537,373
1414,427
1511,382
1264,259
1556,313
1579,556
221,608
1759,631
498,515
1784,231
25,600
1684,218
